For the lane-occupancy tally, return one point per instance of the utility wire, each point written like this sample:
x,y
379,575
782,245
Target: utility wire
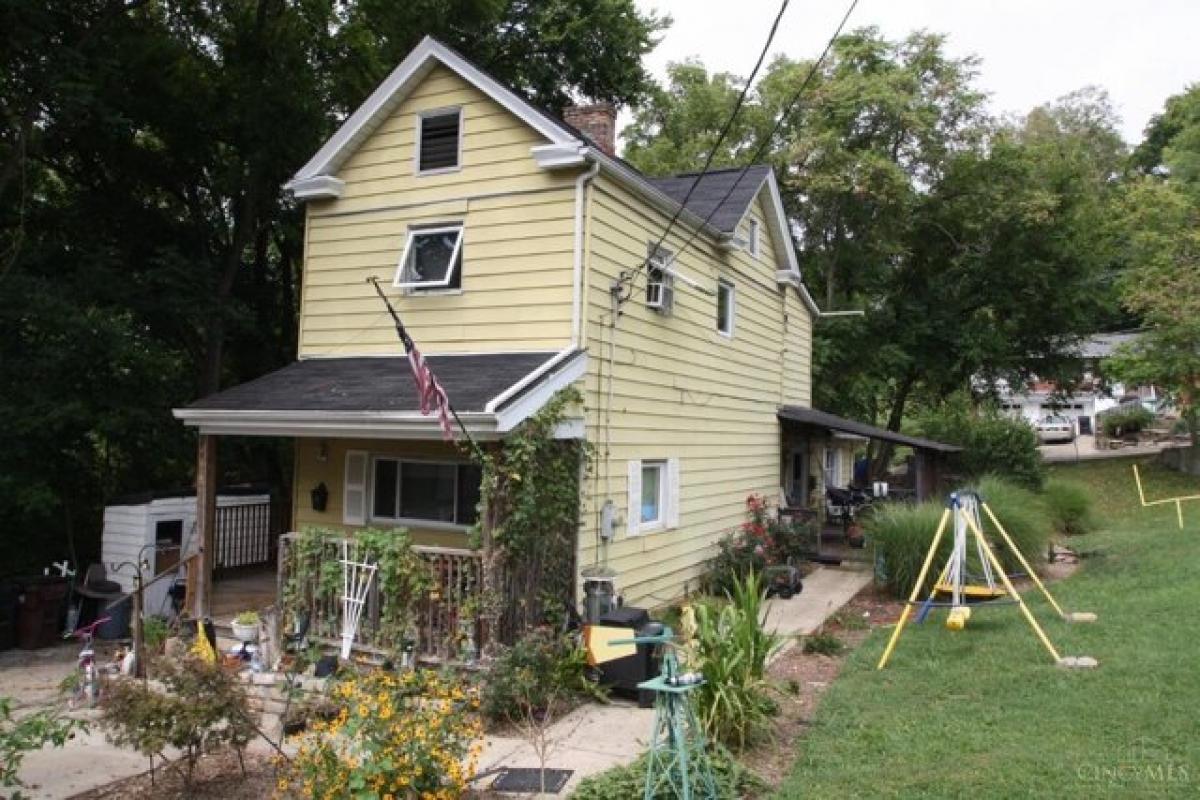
x,y
631,276
766,142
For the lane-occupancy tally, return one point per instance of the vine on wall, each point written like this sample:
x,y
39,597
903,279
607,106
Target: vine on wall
x,y
531,504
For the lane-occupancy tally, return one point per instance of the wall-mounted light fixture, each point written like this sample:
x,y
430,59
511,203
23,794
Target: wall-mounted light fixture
x,y
320,497
323,451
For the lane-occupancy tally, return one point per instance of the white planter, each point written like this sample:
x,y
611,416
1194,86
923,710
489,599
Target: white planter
x,y
245,633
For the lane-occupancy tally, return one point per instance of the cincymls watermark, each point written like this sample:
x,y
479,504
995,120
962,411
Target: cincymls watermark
x,y
1143,761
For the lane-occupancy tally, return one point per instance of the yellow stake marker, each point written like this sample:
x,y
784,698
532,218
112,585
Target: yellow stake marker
x,y
1178,501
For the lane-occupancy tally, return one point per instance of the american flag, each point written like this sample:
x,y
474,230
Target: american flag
x,y
429,391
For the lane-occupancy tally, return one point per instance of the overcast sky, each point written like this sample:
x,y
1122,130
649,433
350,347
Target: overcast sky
x,y
1141,51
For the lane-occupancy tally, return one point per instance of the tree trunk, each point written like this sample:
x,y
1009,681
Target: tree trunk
x,y
884,454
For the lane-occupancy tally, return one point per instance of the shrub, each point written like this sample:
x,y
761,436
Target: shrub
x,y
1069,508
1125,420
902,534
155,633
992,442
732,779
541,668
30,733
731,650
763,540
1023,516
200,708
413,734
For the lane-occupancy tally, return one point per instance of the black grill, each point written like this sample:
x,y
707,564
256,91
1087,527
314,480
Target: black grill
x,y
439,141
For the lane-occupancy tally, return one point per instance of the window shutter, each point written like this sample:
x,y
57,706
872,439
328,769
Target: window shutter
x,y
635,497
673,493
354,491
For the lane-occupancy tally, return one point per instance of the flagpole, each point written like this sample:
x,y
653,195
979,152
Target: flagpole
x,y
406,341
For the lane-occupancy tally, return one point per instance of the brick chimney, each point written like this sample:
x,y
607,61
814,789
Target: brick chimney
x,y
598,122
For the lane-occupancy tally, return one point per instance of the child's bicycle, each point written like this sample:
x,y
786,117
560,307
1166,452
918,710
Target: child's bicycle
x,y
88,686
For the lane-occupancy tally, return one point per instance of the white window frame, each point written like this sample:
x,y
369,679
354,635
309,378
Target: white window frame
x,y
412,522
731,311
833,465
659,466
412,234
752,238
445,111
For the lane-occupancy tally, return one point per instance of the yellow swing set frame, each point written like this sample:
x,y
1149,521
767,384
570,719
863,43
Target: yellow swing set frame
x,y
955,511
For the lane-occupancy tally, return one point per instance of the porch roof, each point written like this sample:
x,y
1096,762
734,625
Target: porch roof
x,y
375,396
823,419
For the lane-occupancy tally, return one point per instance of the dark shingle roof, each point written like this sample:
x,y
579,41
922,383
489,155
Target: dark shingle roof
x,y
375,384
823,419
710,195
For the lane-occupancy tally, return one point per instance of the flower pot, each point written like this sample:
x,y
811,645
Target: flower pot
x,y
245,633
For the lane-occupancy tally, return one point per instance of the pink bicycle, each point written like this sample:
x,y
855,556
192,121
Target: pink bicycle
x,y
88,688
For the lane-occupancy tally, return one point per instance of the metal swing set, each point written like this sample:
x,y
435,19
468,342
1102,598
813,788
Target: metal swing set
x,y
966,589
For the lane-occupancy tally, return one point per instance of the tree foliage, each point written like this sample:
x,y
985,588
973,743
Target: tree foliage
x,y
148,254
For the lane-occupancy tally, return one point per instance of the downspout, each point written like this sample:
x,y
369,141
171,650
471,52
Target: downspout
x,y
577,268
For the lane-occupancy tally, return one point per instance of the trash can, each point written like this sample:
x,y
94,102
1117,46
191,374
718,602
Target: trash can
x,y
10,595
117,626
40,616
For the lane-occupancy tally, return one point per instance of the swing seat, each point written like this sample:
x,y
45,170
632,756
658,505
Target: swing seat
x,y
973,592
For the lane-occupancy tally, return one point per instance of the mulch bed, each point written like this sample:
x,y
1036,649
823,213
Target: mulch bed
x,y
217,776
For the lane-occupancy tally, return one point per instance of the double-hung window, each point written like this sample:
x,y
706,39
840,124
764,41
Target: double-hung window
x,y
725,307
439,140
432,258
425,491
652,493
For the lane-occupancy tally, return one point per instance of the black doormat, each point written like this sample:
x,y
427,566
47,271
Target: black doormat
x,y
529,780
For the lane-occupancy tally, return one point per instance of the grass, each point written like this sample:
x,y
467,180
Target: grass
x,y
986,714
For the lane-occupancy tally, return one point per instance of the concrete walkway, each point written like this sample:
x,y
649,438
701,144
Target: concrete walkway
x,y
826,590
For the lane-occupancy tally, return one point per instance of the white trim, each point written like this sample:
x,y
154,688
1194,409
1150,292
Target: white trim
x,y
753,234
394,89
319,187
437,112
528,404
633,491
549,364
732,295
672,498
577,261
411,234
559,156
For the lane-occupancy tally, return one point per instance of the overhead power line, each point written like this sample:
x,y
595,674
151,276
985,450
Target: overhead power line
x,y
712,153
770,137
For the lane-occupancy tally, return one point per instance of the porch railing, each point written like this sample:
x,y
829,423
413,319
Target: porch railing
x,y
456,577
243,535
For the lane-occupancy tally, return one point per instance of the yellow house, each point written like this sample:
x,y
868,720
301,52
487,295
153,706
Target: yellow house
x,y
517,249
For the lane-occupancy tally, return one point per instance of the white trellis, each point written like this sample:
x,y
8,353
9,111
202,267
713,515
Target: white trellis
x,y
356,584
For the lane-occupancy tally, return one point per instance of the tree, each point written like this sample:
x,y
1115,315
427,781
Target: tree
x,y
1161,211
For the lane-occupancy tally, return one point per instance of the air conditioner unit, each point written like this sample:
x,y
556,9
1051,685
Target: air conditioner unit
x,y
660,294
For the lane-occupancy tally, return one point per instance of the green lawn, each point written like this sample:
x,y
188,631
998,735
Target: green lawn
x,y
985,713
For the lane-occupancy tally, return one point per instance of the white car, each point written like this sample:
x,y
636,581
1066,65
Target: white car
x,y
1055,428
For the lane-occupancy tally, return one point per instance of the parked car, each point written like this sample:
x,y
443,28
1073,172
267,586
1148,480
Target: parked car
x,y
1055,428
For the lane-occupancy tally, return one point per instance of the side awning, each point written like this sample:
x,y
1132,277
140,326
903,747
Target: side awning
x,y
376,397
831,422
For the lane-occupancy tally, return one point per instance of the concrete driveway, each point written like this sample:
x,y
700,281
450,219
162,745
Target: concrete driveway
x,y
1084,449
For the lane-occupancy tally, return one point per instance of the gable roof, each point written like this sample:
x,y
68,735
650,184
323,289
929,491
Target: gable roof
x,y
566,147
721,196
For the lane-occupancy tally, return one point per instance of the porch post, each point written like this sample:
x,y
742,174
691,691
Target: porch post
x,y
206,518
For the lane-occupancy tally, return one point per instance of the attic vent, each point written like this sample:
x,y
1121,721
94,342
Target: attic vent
x,y
439,140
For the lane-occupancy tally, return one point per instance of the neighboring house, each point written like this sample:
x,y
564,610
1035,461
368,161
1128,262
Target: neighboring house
x,y
499,232
1091,394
